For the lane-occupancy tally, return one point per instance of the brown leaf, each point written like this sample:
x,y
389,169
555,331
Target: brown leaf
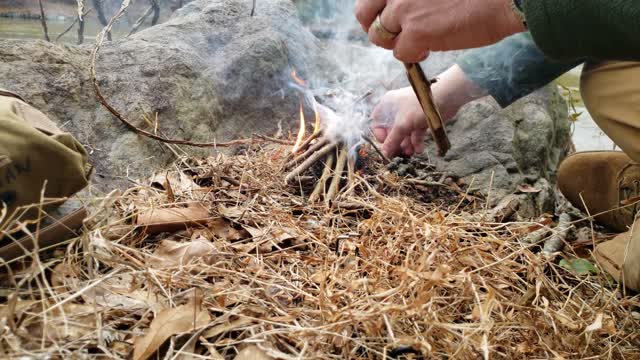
x,y
232,213
252,352
223,229
528,189
171,253
169,322
155,221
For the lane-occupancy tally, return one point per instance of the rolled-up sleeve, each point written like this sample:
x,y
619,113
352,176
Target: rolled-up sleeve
x,y
512,68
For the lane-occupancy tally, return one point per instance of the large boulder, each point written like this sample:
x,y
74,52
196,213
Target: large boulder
x,y
212,72
497,150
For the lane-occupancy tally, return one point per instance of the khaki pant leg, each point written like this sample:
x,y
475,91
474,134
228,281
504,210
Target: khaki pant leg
x,y
611,94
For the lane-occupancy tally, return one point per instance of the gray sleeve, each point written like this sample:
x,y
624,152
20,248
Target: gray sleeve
x,y
512,68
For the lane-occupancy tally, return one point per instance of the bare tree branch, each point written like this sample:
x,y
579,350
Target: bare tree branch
x,y
97,4
43,20
71,26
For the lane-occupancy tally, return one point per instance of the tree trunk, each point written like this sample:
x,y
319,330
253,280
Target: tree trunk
x,y
97,4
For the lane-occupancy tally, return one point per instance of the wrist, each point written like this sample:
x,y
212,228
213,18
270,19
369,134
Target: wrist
x,y
453,90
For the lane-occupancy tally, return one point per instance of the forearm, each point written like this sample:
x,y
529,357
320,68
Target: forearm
x,y
599,29
512,68
453,89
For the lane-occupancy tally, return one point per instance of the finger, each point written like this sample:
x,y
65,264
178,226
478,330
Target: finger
x,y
383,37
367,10
407,148
417,140
380,133
408,50
392,145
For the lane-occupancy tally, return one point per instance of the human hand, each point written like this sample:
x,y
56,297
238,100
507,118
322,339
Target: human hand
x,y
398,119
399,123
437,25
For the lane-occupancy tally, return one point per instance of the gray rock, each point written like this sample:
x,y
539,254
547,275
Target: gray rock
x,y
496,150
211,72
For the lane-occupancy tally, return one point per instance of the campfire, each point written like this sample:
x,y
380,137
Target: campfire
x,y
334,157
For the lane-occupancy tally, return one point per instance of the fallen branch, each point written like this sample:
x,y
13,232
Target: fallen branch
x,y
556,242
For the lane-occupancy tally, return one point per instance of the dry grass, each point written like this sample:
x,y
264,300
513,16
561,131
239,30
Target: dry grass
x,y
378,276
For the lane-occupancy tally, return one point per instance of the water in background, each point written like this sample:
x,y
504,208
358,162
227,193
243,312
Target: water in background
x,y
19,28
586,134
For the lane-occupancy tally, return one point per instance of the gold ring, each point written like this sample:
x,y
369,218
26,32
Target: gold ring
x,y
382,31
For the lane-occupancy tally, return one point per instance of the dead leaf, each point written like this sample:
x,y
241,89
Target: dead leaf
x,y
596,325
528,189
232,213
252,352
602,324
155,221
171,253
68,322
169,322
223,229
180,183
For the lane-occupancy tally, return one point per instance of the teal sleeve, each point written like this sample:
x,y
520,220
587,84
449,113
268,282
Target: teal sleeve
x,y
512,68
594,29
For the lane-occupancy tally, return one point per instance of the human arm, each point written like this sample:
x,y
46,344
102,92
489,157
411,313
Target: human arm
x,y
570,29
507,71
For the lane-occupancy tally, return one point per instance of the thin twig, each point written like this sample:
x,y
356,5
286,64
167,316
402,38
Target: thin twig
x,y
375,147
312,150
310,161
75,20
43,21
322,182
337,174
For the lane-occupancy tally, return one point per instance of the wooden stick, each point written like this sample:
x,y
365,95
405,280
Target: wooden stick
x,y
326,174
375,147
312,150
422,88
309,162
303,146
337,175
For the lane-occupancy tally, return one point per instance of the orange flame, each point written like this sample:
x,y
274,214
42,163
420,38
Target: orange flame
x,y
299,81
301,132
316,126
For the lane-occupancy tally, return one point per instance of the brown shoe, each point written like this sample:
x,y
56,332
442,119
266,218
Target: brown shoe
x,y
597,182
620,257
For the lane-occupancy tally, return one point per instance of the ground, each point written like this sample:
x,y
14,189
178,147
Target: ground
x,y
379,273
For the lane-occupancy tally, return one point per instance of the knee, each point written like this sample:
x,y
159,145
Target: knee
x,y
611,94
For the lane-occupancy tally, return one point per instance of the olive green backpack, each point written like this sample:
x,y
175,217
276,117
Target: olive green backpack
x,y
39,163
